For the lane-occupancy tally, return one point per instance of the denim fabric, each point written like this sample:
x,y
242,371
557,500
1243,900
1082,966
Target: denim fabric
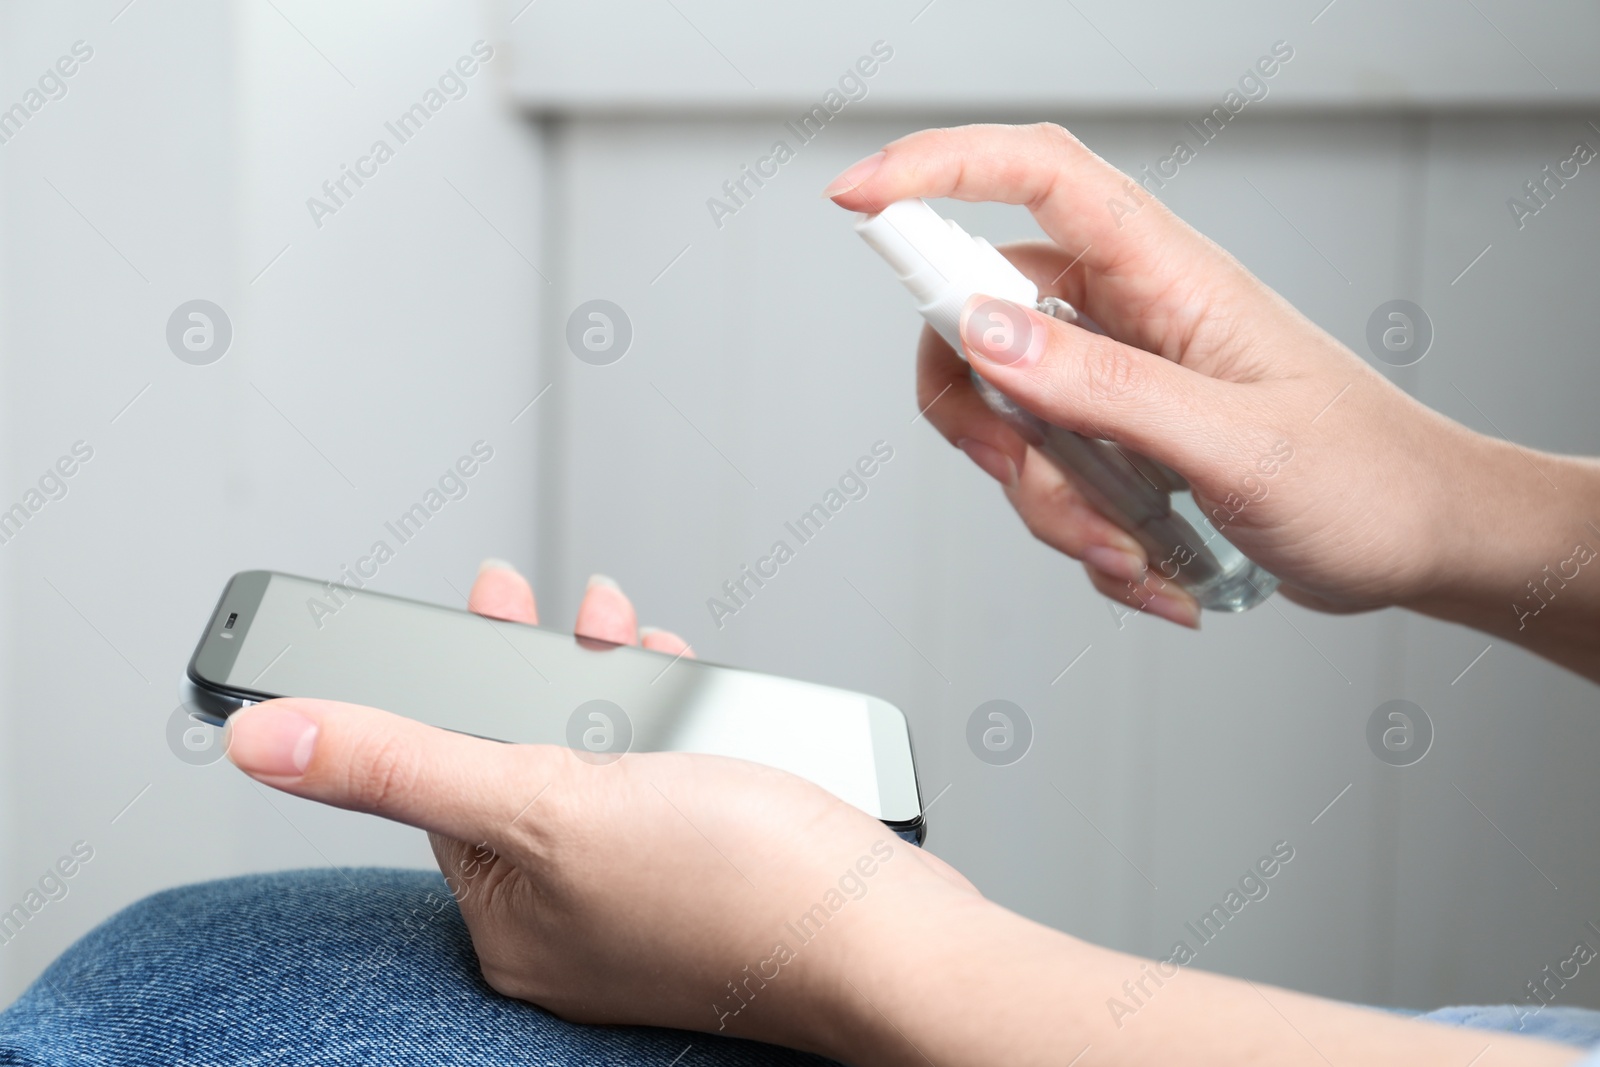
x,y
372,966
1568,1026
312,967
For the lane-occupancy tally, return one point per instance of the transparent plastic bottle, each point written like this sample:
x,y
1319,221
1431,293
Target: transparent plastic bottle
x,y
944,266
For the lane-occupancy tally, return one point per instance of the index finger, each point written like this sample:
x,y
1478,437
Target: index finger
x,y
501,592
1083,203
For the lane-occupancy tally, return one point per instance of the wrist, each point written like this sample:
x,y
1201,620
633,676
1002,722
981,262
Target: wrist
x,y
1516,530
1468,535
834,970
866,998
1487,529
928,984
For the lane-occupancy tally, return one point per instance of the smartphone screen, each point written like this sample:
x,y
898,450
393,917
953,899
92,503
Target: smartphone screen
x,y
279,635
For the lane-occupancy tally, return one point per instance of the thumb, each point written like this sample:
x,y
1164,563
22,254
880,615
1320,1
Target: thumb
x,y
371,761
1089,383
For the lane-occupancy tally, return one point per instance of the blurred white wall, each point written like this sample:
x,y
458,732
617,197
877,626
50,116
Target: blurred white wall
x,y
368,353
768,353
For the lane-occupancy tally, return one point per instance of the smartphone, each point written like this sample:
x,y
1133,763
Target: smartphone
x,y
277,635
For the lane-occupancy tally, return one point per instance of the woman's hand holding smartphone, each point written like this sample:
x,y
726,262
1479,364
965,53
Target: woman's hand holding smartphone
x,y
661,889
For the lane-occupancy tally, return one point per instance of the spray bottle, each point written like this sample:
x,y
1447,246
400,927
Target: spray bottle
x,y
943,266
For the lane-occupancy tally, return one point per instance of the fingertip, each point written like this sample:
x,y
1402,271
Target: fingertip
x,y
1115,562
501,592
273,741
845,190
606,613
990,460
1178,607
658,640
1099,530
1149,595
1003,333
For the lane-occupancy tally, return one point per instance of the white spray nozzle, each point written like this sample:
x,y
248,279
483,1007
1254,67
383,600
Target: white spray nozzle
x,y
941,264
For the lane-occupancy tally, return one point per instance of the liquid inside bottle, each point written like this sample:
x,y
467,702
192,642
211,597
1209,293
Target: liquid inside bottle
x,y
1149,501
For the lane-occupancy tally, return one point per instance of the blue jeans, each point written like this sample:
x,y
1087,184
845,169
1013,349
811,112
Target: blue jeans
x,y
371,966
312,967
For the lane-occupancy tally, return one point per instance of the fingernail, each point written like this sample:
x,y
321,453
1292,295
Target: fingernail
x,y
493,564
602,581
853,175
1183,611
1116,562
1001,332
646,631
991,459
271,739
1107,536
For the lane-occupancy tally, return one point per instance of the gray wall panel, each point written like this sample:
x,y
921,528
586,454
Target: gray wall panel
x,y
964,56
